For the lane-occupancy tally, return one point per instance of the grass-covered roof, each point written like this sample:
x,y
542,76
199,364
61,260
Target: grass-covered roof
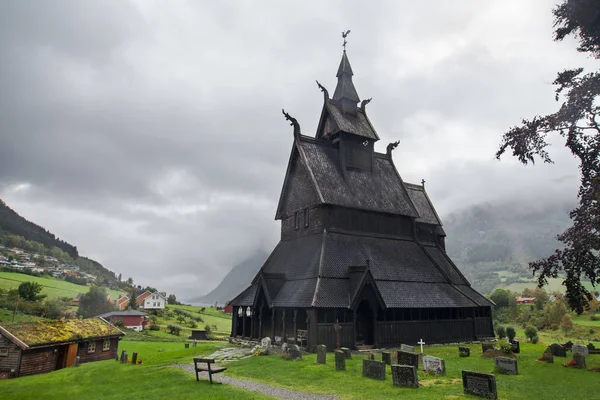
x,y
36,333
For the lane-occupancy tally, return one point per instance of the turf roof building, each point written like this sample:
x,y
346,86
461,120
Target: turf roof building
x,y
362,254
37,347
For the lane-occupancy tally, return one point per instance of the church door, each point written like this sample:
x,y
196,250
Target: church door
x,y
364,324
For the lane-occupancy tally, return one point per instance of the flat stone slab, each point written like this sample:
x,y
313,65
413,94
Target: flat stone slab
x,y
506,365
408,358
480,384
373,369
434,365
405,376
340,360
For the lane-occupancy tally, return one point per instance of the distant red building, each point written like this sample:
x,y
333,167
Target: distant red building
x,y
131,319
525,300
228,309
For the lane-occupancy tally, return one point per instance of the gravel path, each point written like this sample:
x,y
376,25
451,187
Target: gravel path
x,y
263,388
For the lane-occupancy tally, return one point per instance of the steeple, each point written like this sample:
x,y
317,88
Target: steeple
x,y
345,92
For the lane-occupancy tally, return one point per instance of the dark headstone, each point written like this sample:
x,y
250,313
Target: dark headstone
x,y
406,358
295,352
515,346
340,360
579,360
373,369
347,353
407,348
591,346
479,384
386,357
134,358
187,345
547,356
198,334
123,356
434,365
371,356
405,376
558,350
567,345
506,365
465,350
486,346
321,354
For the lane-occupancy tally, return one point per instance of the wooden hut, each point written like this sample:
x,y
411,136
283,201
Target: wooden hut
x,y
47,345
362,259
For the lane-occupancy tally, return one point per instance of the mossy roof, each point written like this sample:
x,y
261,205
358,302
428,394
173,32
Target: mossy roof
x,y
36,333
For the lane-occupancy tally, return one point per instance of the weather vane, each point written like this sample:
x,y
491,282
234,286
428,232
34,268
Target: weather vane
x,y
344,35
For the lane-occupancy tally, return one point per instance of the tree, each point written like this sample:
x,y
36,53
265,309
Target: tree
x,y
501,332
566,323
578,123
172,299
31,291
133,299
531,332
500,298
94,302
511,333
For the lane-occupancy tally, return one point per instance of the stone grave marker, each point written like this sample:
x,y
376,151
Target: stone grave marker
x,y
558,350
321,354
123,356
579,360
76,363
295,352
265,344
407,348
434,365
515,346
479,384
187,345
407,358
347,353
405,376
386,357
486,346
581,349
340,360
134,358
371,356
507,365
465,350
373,369
547,356
284,348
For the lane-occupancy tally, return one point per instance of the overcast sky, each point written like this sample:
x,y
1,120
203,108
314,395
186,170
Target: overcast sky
x,y
149,134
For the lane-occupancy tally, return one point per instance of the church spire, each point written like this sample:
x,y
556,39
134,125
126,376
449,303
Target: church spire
x,y
345,92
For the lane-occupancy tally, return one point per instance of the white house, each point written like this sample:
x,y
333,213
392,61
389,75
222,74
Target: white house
x,y
155,301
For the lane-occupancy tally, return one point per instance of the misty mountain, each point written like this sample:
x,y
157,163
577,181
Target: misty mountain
x,y
235,281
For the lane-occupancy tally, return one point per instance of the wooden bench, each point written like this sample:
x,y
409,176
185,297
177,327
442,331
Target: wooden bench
x,y
207,368
302,335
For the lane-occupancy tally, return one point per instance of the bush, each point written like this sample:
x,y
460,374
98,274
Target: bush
x,y
505,347
501,332
154,327
510,333
535,339
174,329
593,317
193,324
530,332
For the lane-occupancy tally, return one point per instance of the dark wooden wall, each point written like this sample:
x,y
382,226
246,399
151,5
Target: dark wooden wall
x,y
12,360
99,354
326,335
37,361
442,331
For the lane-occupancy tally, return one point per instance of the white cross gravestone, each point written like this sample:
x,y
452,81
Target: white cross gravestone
x,y
421,342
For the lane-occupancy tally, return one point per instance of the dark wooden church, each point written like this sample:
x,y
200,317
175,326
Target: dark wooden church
x,y
362,256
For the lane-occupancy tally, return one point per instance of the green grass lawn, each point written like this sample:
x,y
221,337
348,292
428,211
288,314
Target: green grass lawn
x,y
53,288
536,380
7,316
107,380
585,320
209,315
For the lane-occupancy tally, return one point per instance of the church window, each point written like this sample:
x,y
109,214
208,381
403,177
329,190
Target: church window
x,y
306,218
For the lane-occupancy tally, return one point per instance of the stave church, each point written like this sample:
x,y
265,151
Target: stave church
x,y
361,262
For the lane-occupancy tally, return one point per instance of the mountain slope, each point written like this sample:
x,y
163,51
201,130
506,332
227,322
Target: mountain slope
x,y
235,281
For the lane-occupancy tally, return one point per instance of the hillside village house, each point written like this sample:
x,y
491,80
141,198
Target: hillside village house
x,y
48,345
362,258
131,319
145,300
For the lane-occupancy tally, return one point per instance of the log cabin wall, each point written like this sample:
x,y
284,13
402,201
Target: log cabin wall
x,y
37,361
11,360
99,354
326,335
445,331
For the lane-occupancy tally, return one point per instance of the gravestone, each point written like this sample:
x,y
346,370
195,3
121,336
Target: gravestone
x,y
591,346
407,358
486,346
340,360
278,340
373,369
76,364
295,352
479,384
407,348
465,350
515,346
284,348
265,344
581,349
506,365
579,360
187,345
123,356
371,356
347,353
386,357
547,356
321,354
434,365
558,350
194,344
134,358
405,376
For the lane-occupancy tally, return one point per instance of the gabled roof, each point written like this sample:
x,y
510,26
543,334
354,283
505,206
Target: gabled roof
x,y
419,198
124,313
44,333
380,190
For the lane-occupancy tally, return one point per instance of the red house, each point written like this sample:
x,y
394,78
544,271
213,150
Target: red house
x,y
131,319
228,309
